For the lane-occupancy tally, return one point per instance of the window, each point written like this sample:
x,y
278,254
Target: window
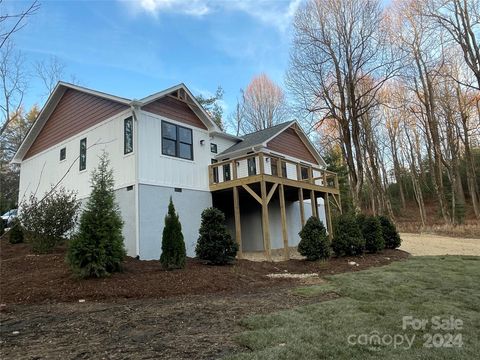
x,y
83,154
177,141
213,148
63,154
128,135
226,172
215,171
304,172
274,166
252,166
284,169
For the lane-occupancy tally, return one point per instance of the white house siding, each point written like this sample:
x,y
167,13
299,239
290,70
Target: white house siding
x,y
40,172
153,206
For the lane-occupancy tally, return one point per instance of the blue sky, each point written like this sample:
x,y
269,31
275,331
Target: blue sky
x,y
134,48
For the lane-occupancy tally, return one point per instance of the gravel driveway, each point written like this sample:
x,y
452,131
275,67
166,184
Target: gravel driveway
x,y
427,244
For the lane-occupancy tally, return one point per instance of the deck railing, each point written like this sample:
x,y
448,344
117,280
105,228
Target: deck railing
x,y
267,164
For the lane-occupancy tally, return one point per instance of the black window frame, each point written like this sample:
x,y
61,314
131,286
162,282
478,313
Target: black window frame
x,y
82,163
127,149
283,164
213,148
177,141
252,170
215,172
227,171
63,153
304,172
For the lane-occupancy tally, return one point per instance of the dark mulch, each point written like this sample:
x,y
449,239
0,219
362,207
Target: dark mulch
x,y
26,278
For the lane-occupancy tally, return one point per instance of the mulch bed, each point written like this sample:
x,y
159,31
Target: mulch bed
x,y
26,278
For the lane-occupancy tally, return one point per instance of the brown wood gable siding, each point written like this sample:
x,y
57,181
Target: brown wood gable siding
x,y
75,112
176,110
289,143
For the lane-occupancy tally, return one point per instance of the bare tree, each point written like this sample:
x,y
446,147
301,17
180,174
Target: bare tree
x,y
340,60
11,23
50,72
263,105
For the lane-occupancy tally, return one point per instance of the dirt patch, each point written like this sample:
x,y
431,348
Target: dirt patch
x,y
428,244
27,278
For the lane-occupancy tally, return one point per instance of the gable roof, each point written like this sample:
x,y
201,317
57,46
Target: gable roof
x,y
262,137
62,87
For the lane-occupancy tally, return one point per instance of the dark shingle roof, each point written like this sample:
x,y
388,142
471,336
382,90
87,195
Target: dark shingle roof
x,y
257,138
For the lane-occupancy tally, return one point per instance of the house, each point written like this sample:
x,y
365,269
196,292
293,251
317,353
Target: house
x,y
165,145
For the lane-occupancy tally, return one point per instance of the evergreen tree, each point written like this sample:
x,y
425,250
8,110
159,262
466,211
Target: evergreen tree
x,y
314,243
390,234
347,237
97,249
215,243
173,247
372,233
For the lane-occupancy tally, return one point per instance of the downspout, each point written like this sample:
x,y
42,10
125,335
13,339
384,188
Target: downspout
x,y
134,106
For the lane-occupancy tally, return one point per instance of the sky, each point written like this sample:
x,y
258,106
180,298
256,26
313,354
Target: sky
x,y
134,48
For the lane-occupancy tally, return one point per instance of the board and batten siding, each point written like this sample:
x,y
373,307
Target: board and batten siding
x,y
41,171
289,143
154,168
174,109
75,112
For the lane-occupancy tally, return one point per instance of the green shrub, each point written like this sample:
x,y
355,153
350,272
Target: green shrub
x,y
15,234
49,221
173,247
372,233
97,249
314,243
347,237
390,234
215,243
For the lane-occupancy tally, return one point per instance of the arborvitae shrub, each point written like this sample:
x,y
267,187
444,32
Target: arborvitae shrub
x,y
173,247
97,249
347,237
372,233
15,235
390,234
215,243
314,243
49,221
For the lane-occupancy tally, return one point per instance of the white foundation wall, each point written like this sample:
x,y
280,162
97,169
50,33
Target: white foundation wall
x,y
40,172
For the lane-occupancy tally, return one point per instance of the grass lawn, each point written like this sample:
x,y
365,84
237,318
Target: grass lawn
x,y
374,302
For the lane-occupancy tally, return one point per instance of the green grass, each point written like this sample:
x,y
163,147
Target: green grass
x,y
375,300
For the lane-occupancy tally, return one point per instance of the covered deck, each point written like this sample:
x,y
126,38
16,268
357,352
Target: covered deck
x,y
263,176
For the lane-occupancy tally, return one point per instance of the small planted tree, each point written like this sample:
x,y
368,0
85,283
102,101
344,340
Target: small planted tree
x,y
173,247
215,243
49,221
314,243
15,235
372,233
97,249
347,238
390,234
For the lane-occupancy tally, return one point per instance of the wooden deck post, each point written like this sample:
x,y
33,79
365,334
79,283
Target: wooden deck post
x,y
328,215
238,226
265,220
283,214
302,209
313,201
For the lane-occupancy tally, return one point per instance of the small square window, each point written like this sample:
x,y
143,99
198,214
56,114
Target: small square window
x,y
63,154
213,148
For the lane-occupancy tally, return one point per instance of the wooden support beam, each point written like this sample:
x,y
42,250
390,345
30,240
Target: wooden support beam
x,y
328,214
283,215
265,221
253,193
238,226
262,163
302,208
313,202
234,169
271,192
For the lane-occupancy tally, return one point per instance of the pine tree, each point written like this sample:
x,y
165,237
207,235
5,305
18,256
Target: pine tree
x,y
173,247
314,243
372,233
97,249
347,238
390,234
215,243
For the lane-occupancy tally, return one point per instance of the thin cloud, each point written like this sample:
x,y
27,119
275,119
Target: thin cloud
x,y
277,14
